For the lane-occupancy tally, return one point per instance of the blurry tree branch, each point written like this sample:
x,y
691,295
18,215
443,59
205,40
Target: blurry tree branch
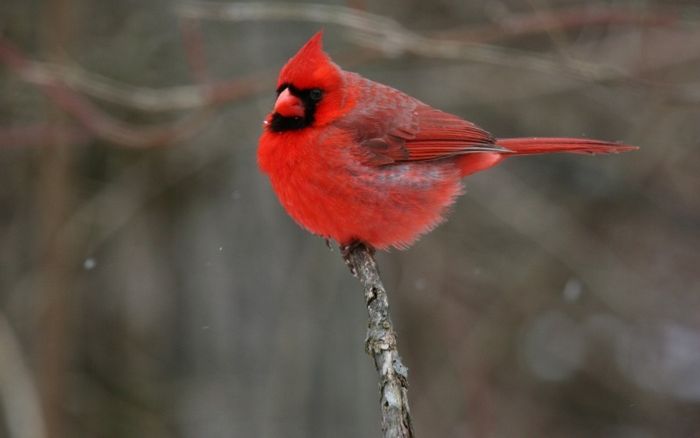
x,y
86,113
576,17
18,393
185,97
42,134
381,344
193,43
390,37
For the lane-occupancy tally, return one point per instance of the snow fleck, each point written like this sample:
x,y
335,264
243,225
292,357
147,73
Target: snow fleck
x,y
89,263
573,289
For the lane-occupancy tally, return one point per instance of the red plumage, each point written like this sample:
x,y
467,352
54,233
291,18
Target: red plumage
x,y
354,160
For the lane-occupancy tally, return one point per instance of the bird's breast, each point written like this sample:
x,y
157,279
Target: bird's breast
x,y
326,187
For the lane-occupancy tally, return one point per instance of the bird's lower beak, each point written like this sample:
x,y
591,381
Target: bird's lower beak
x,y
288,105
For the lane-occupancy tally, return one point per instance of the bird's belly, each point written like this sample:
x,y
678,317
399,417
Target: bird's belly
x,y
381,206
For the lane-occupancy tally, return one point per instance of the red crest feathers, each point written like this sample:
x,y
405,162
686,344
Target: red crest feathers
x,y
310,67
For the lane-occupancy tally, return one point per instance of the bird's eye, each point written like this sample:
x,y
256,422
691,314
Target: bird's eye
x,y
315,94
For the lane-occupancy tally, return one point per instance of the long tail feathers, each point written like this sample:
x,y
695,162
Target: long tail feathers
x,y
545,145
472,163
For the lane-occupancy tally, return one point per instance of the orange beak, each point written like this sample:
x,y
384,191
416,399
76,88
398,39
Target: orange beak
x,y
288,105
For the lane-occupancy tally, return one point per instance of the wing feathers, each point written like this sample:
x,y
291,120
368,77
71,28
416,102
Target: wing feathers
x,y
430,135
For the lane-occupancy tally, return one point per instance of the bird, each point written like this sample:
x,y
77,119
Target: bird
x,y
360,162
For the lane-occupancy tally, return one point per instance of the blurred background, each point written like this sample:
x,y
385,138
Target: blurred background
x,y
152,286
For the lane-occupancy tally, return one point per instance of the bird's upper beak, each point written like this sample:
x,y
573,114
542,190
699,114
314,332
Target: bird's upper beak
x,y
288,105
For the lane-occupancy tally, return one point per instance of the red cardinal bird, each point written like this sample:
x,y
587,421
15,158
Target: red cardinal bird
x,y
360,162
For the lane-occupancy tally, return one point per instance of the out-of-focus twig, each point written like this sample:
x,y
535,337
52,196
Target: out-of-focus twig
x,y
390,37
577,17
41,134
90,116
688,94
556,231
382,346
55,284
318,13
17,389
193,43
178,98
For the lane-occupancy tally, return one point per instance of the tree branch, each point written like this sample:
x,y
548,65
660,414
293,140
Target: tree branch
x,y
390,37
19,397
92,117
381,344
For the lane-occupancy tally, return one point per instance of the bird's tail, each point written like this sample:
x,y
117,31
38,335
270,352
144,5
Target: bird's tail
x,y
546,145
472,163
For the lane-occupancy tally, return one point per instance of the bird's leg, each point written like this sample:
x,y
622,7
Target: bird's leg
x,y
328,243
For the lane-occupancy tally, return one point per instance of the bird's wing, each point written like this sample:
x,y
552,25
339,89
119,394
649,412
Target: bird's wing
x,y
393,127
434,134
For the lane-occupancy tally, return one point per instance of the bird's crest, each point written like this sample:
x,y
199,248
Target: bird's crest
x,y
310,67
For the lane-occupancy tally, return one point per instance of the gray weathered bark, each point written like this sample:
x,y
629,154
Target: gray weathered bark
x,y
381,344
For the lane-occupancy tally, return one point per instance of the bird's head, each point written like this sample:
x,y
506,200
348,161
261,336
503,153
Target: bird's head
x,y
309,90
